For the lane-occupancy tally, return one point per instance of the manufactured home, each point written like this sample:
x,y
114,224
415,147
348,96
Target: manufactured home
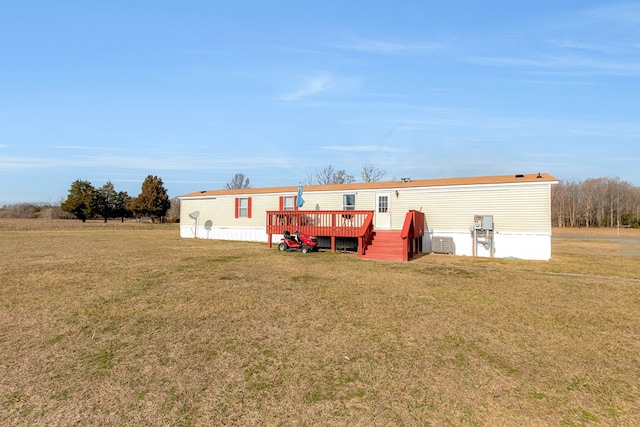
x,y
488,216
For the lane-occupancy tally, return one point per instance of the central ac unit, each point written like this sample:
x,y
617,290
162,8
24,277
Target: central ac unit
x,y
442,245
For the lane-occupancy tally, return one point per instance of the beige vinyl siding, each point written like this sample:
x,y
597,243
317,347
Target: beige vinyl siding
x,y
332,201
365,201
206,207
221,210
324,201
260,204
521,208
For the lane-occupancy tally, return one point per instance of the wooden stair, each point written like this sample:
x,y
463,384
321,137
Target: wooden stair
x,y
386,245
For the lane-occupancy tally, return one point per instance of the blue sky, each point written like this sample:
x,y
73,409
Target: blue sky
x,y
196,91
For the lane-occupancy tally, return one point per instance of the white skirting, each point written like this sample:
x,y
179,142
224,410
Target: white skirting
x,y
505,245
246,234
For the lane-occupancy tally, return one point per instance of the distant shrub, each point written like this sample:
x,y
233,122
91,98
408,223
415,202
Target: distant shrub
x,y
32,210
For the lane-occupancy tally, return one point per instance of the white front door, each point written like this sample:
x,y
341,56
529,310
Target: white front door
x,y
382,215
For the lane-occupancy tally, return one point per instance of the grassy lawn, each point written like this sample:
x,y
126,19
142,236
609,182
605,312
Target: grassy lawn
x,y
128,324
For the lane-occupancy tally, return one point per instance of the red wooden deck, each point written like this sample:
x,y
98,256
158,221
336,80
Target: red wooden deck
x,y
330,224
403,246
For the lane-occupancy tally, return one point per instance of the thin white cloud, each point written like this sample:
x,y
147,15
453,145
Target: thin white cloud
x,y
600,41
310,86
564,64
78,147
588,47
361,148
630,159
597,23
16,163
166,162
624,13
557,82
386,47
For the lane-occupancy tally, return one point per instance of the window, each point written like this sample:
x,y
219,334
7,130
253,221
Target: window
x,y
288,203
383,204
349,202
243,207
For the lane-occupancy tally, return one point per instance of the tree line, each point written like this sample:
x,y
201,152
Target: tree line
x,y
595,202
88,202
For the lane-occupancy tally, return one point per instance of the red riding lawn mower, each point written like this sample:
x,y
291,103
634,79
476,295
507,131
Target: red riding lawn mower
x,y
300,241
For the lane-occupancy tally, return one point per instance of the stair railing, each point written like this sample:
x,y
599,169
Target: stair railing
x,y
412,232
365,234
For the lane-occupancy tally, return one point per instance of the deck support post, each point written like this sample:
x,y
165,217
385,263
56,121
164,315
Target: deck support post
x,y
405,249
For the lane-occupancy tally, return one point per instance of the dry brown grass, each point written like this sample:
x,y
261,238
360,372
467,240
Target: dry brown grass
x,y
127,324
597,232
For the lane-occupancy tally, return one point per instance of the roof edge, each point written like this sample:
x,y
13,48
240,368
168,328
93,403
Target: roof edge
x,y
404,183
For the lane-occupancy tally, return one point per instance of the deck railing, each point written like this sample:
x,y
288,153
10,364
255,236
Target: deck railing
x,y
366,235
412,232
346,223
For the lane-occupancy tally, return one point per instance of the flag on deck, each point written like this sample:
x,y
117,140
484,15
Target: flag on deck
x,y
300,200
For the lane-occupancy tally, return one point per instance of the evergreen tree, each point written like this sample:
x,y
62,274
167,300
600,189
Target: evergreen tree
x,y
104,201
153,201
123,200
80,200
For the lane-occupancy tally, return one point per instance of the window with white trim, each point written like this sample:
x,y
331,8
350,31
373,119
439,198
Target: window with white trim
x,y
349,202
243,207
288,203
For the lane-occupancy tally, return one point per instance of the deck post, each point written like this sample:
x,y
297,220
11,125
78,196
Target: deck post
x,y
269,240
405,249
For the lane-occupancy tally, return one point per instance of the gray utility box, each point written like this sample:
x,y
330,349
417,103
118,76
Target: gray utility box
x,y
483,222
442,245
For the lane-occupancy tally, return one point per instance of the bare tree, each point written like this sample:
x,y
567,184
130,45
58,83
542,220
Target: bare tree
x,y
174,210
325,176
634,204
31,210
595,202
599,188
371,173
329,176
574,196
238,181
559,202
342,177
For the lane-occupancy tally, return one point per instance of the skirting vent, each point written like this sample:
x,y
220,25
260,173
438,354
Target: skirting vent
x,y
442,245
